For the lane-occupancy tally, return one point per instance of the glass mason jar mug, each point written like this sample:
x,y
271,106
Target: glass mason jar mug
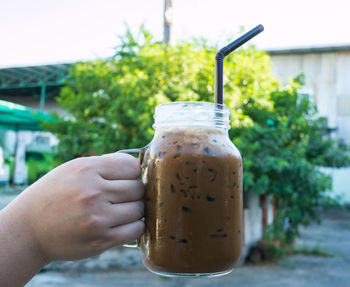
x,y
193,180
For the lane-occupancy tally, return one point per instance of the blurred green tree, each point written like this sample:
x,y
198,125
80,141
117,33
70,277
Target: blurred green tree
x,y
111,103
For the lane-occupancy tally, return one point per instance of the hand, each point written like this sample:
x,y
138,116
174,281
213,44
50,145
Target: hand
x,y
84,207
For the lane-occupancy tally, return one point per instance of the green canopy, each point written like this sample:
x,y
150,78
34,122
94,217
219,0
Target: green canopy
x,y
17,117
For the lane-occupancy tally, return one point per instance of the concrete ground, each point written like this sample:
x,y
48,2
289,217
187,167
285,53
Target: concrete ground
x,y
333,235
8,193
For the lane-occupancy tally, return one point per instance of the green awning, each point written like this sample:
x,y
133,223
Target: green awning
x,y
17,117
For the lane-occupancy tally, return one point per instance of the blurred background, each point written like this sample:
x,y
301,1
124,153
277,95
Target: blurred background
x,y
81,78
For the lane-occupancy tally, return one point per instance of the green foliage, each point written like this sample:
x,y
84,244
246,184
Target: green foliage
x,y
38,165
276,252
280,158
111,103
313,251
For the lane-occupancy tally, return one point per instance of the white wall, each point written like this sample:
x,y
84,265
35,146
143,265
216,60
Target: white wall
x,y
253,228
340,182
328,76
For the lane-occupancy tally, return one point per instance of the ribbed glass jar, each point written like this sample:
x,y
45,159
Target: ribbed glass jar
x,y
193,178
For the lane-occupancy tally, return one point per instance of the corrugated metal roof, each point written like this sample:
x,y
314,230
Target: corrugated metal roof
x,y
310,50
33,76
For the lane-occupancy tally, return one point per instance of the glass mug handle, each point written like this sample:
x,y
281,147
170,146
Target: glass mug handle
x,y
140,153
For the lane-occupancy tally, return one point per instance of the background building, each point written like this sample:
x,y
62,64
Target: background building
x,y
327,75
34,86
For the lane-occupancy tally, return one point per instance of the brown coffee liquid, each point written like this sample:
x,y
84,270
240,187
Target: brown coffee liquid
x,y
193,185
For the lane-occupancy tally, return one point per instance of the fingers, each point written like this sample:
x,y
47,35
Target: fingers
x,y
125,233
118,191
124,213
118,166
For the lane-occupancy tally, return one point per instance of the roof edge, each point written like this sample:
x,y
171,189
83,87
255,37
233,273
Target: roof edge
x,y
309,50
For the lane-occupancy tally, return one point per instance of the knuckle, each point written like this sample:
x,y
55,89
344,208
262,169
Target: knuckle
x,y
139,188
140,228
93,222
97,245
131,163
89,196
141,205
82,165
136,167
140,209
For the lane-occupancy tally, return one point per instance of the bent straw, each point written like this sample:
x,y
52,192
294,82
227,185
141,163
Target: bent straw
x,y
219,60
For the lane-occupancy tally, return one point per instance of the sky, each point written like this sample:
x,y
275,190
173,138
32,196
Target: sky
x,y
58,31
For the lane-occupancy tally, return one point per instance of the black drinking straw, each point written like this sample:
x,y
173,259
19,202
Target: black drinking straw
x,y
219,60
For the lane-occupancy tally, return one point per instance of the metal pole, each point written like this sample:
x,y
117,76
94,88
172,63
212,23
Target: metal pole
x,y
12,180
168,20
42,97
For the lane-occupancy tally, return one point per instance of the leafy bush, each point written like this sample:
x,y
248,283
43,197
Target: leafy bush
x,y
112,103
38,165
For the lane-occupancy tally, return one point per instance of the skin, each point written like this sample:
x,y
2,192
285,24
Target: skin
x,y
77,210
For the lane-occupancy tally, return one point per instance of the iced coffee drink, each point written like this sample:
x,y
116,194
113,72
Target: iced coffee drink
x,y
193,179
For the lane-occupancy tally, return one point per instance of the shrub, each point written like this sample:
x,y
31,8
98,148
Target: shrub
x,y
111,103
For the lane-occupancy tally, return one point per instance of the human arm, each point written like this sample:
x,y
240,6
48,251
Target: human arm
x,y
77,210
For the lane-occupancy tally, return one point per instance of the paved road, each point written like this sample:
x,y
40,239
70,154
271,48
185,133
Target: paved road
x,y
8,193
296,271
